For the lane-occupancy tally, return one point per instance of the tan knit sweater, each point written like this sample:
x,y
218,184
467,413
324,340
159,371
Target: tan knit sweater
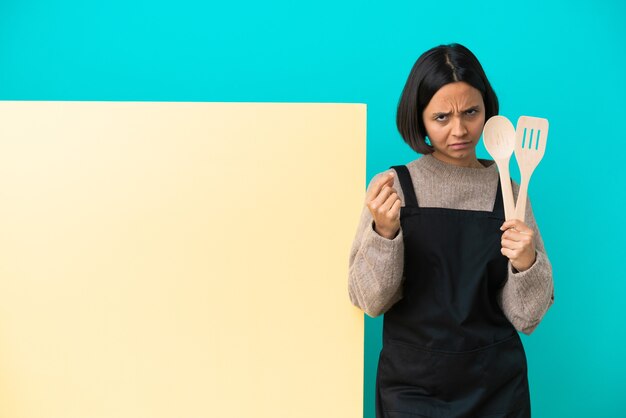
x,y
377,263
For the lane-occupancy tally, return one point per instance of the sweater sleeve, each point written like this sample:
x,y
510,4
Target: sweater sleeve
x,y
376,265
526,296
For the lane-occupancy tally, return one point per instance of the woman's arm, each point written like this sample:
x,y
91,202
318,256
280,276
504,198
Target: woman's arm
x,y
376,265
527,295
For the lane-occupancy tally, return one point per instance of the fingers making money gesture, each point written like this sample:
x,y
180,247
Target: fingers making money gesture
x,y
384,203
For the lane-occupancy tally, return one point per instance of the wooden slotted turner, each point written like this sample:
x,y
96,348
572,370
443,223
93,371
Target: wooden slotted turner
x,y
499,140
530,146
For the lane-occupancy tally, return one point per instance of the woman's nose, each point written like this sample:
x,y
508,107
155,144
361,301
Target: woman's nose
x,y
458,127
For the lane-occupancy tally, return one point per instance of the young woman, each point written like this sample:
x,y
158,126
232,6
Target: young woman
x,y
435,255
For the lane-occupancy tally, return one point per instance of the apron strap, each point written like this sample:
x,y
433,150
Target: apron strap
x,y
498,205
407,185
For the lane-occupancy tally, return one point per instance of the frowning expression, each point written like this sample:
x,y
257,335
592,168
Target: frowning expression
x,y
454,120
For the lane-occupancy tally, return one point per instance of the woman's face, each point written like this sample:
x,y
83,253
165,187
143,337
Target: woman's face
x,y
454,120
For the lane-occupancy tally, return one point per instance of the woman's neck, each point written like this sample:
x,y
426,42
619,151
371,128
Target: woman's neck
x,y
469,162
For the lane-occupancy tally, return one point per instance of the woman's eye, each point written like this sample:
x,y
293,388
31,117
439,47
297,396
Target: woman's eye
x,y
441,118
472,112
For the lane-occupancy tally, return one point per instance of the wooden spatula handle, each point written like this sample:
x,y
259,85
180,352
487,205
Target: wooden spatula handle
x,y
520,206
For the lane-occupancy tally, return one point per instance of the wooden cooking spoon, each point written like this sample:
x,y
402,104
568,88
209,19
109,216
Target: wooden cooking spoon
x,y
530,146
499,139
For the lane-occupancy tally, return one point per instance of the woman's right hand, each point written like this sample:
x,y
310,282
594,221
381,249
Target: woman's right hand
x,y
384,203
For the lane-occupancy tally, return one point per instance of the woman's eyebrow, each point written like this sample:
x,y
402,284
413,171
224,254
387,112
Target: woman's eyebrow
x,y
475,107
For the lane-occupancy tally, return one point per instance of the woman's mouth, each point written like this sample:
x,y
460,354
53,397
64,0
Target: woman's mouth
x,y
460,145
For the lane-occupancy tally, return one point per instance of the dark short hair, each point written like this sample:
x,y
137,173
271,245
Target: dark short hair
x,y
435,68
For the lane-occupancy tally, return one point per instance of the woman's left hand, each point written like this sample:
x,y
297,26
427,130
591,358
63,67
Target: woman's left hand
x,y
518,244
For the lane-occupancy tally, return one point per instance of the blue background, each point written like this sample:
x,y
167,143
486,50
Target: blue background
x,y
560,60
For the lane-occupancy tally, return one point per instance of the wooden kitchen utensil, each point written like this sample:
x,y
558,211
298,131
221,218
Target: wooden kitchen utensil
x,y
499,139
530,145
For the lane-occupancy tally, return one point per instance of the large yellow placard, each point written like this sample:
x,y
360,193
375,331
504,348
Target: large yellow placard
x,y
179,259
